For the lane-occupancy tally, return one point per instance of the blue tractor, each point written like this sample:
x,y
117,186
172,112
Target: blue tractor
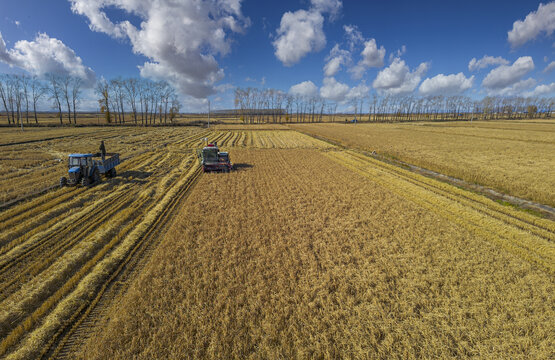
x,y
86,169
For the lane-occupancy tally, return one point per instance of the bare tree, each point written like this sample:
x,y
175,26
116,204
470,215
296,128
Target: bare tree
x,y
38,90
103,90
76,85
25,83
4,95
132,88
56,93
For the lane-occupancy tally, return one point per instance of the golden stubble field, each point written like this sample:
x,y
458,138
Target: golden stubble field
x,y
514,157
307,250
300,256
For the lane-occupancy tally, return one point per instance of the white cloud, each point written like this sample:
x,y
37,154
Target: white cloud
x,y
180,38
354,36
398,53
360,91
506,75
486,61
541,90
397,78
327,6
371,57
335,59
299,33
453,84
302,32
46,55
549,67
515,89
535,23
306,88
334,90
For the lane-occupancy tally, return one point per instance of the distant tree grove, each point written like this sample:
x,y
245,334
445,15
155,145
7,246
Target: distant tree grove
x,y
146,102
253,105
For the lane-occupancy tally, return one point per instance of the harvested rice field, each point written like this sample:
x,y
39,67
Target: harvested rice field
x,y
305,250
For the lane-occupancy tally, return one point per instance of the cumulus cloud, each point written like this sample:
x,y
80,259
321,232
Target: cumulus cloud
x,y
549,67
359,92
333,7
535,23
397,79
506,75
542,90
453,84
515,89
372,56
306,88
335,60
334,90
302,32
180,38
46,55
354,36
486,61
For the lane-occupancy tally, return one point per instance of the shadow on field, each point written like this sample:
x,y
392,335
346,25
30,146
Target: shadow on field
x,y
242,167
130,176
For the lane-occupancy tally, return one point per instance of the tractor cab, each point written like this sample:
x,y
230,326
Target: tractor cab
x,y
78,165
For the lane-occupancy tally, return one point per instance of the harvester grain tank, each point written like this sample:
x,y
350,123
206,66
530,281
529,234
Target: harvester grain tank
x,y
214,160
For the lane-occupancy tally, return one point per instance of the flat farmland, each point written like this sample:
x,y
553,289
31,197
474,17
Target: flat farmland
x,y
310,254
57,249
513,157
307,250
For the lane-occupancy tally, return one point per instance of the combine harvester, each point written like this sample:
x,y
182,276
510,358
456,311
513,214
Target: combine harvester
x,y
213,160
86,169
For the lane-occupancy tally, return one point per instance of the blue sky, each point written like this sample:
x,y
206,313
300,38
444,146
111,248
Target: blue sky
x,y
414,41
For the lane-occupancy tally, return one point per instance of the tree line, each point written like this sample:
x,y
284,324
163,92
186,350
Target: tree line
x,y
253,105
146,101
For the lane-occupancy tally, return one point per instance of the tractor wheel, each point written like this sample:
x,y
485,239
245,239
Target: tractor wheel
x,y
113,173
63,181
85,181
96,177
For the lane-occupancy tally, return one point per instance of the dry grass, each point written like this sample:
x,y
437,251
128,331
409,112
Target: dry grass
x,y
299,256
513,157
27,168
51,244
267,139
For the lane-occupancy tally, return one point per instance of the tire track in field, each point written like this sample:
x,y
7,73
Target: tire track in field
x,y
127,208
69,339
42,253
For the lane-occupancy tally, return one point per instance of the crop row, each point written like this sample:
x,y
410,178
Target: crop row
x,y
53,243
523,234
